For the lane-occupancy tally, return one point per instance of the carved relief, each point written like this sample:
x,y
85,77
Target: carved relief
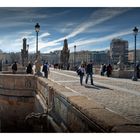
x,y
28,83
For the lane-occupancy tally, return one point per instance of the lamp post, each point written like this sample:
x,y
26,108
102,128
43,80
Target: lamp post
x,y
37,62
74,55
37,28
134,78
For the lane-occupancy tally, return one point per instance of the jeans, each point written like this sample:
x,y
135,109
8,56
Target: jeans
x,y
91,79
46,74
81,79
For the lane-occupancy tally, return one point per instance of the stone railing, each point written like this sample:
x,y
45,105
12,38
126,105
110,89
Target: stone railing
x,y
77,113
73,112
117,73
17,84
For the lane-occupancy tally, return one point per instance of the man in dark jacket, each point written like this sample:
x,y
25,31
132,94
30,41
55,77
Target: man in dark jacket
x,y
46,69
89,72
14,68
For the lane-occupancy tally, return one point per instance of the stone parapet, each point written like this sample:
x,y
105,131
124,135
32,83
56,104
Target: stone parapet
x,y
80,114
118,73
17,82
22,94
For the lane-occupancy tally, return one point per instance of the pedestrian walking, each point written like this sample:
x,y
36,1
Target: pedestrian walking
x,y
81,73
138,70
101,70
14,68
46,69
29,69
109,70
89,72
104,69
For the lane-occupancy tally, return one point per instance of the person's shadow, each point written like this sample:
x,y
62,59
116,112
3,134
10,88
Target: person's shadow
x,y
98,87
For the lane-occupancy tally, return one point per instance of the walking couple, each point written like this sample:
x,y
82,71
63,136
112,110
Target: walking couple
x,y
89,72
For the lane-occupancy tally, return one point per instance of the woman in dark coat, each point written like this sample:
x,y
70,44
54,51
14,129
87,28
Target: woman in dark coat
x,y
29,68
109,70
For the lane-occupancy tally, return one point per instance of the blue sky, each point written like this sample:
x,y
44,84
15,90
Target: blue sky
x,y
87,28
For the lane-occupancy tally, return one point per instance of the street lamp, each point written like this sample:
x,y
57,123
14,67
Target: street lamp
x,y
134,78
37,28
37,62
74,54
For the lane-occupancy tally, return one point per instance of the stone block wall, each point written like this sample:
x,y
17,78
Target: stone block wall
x,y
13,111
122,73
17,100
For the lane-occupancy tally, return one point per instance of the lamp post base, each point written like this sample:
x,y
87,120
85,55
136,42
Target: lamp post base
x,y
134,78
38,67
38,73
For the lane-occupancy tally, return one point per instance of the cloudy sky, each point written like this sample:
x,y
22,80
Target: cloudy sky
x,y
87,28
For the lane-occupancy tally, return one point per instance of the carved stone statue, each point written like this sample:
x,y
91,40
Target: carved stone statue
x,y
120,63
38,68
24,53
65,55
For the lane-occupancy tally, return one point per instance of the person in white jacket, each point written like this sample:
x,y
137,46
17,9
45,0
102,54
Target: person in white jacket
x,y
81,73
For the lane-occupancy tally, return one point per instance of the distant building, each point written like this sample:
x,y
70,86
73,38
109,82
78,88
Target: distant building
x,y
80,56
131,56
119,47
100,57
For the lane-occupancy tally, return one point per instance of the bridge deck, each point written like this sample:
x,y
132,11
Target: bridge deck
x,y
121,96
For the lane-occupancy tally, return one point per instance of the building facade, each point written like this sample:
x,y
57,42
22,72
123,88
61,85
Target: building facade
x,y
119,48
100,57
131,56
81,56
52,57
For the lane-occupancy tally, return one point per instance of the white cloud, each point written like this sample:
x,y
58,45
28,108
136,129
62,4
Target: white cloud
x,y
95,18
101,39
44,35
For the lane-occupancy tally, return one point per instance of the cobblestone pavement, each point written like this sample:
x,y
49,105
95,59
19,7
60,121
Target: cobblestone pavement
x,y
121,96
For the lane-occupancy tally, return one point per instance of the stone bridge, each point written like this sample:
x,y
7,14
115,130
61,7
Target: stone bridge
x,y
69,111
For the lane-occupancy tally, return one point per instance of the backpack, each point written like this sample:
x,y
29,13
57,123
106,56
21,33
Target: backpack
x,y
78,71
45,68
14,67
